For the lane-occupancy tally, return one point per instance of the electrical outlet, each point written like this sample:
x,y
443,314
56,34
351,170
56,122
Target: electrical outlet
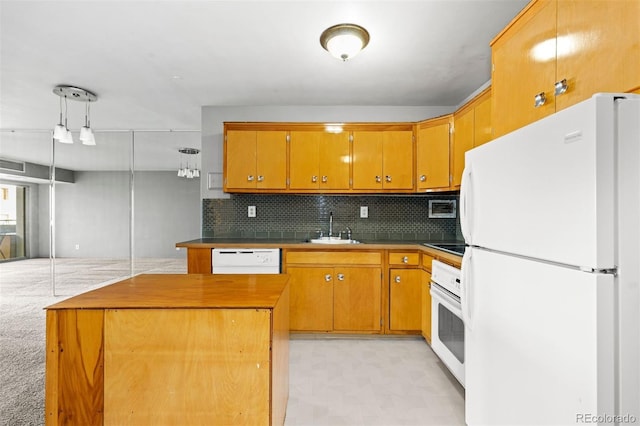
x,y
251,211
364,212
77,246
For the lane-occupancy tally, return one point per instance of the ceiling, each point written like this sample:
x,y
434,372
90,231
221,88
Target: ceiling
x,y
154,64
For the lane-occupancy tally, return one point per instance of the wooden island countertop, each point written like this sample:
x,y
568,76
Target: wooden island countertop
x,y
183,291
170,350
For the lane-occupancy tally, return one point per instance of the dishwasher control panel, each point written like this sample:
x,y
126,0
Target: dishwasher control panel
x,y
245,261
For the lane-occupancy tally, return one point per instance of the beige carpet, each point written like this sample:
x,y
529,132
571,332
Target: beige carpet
x,y
25,289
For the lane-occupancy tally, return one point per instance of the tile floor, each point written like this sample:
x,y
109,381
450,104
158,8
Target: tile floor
x,y
370,381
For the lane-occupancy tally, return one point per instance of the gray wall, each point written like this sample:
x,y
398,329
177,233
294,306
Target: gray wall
x,y
94,214
213,118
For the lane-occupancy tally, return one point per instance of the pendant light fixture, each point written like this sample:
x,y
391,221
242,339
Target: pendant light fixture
x,y
86,134
61,133
344,41
188,172
60,130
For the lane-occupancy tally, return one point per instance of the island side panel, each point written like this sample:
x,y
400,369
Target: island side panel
x,y
187,366
280,360
198,260
74,367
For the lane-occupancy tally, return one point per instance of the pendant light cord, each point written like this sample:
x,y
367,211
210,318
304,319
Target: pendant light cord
x,y
66,113
61,110
87,113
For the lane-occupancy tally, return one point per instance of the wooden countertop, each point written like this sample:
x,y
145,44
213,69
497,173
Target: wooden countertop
x,y
294,244
297,244
204,243
183,291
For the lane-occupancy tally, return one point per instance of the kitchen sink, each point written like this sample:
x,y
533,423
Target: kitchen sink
x,y
332,240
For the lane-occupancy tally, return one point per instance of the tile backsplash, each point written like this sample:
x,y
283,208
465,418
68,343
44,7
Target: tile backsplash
x,y
300,216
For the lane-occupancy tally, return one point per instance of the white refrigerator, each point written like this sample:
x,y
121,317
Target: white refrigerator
x,y
550,280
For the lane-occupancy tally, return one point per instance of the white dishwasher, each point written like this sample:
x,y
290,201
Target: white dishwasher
x,y
245,261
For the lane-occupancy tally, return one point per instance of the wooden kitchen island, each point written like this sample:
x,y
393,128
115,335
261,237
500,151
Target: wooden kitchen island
x,y
171,350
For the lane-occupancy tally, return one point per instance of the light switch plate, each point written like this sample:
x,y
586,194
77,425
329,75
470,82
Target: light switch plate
x,y
364,212
251,211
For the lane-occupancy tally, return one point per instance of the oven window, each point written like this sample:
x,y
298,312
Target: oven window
x,y
451,332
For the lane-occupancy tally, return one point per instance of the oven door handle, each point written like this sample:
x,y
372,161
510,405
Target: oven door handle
x,y
442,296
466,289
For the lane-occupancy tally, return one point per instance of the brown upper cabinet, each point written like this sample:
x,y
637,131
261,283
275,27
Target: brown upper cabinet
x,y
319,160
255,159
472,128
383,160
432,154
556,53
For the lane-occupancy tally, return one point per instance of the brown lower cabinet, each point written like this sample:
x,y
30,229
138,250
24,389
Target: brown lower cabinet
x,y
426,305
336,296
404,293
337,290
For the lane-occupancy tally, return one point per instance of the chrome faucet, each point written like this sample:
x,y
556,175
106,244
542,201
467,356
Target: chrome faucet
x,y
330,224
348,233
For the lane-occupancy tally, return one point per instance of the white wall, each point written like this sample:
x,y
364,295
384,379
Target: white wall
x,y
94,214
213,118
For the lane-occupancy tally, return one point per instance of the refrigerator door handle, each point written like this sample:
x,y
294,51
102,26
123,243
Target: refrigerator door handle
x,y
466,192
466,289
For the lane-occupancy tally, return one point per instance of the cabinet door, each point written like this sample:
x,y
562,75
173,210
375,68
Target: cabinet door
x,y
426,305
592,40
397,159
482,131
334,160
631,54
311,299
303,156
405,295
462,142
240,166
367,160
357,299
433,157
524,64
271,160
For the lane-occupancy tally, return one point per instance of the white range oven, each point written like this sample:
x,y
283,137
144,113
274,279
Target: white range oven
x,y
447,328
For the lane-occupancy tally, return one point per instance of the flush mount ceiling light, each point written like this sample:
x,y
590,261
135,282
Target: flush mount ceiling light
x,y
61,132
188,172
344,41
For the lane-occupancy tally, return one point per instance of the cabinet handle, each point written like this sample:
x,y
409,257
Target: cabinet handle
x,y
423,178
405,259
561,87
260,178
397,278
378,179
539,100
250,178
314,179
327,277
324,179
387,178
340,277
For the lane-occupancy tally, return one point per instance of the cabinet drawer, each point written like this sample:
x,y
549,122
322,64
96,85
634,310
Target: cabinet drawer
x,y
399,258
334,257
